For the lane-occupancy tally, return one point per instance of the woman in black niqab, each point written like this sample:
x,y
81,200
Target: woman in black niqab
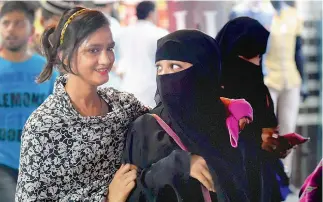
x,y
242,41
189,102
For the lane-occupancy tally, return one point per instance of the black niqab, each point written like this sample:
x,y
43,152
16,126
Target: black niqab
x,y
191,100
240,78
245,37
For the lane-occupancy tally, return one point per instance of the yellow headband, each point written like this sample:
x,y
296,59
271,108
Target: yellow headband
x,y
68,22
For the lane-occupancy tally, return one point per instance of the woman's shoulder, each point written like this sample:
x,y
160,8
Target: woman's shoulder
x,y
124,101
147,126
144,123
113,93
45,115
117,96
147,142
148,118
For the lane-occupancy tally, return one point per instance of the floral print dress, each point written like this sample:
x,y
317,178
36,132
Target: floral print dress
x,y
68,157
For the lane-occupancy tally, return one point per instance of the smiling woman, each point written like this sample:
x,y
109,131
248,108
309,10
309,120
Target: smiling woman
x,y
80,51
72,144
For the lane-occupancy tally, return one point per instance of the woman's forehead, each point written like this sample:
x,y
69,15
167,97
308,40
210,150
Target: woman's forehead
x,y
102,35
172,61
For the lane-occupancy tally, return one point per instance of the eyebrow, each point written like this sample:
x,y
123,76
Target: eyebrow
x,y
113,44
100,45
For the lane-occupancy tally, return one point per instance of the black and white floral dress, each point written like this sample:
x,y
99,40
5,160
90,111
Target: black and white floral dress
x,y
67,157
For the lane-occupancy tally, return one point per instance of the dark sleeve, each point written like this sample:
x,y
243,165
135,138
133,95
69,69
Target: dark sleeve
x,y
159,161
299,58
269,119
263,105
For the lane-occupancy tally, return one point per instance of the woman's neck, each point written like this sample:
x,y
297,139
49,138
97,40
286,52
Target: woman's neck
x,y
84,97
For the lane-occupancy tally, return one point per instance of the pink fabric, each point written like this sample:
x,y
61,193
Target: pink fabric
x,y
237,109
295,139
172,134
310,191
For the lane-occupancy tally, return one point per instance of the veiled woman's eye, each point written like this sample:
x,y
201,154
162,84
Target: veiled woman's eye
x,y
176,67
159,68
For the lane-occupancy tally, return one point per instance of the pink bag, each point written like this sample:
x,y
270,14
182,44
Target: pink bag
x,y
172,134
294,139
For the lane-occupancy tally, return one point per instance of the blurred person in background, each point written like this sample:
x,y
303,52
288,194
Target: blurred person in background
x,y
0,36
50,13
284,67
19,93
137,45
258,10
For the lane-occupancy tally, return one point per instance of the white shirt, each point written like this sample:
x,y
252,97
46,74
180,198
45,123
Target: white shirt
x,y
137,46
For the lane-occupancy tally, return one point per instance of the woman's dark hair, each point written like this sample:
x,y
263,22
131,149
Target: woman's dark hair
x,y
77,31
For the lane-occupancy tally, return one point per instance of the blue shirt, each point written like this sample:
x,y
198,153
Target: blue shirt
x,y
20,95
